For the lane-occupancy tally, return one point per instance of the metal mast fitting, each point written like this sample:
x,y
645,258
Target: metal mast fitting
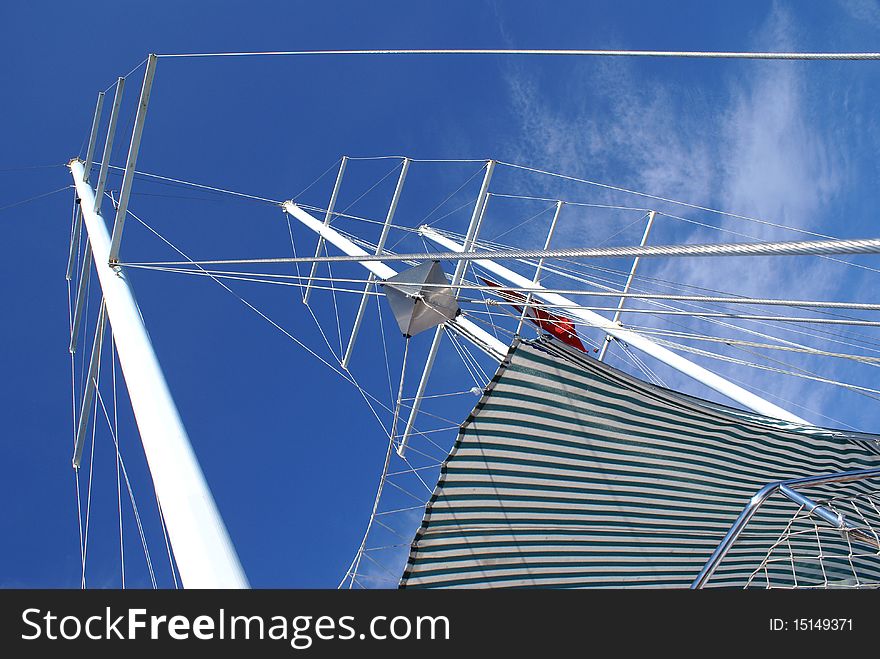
x,y
420,298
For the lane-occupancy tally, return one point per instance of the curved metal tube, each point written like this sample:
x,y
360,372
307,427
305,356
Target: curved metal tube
x,y
787,488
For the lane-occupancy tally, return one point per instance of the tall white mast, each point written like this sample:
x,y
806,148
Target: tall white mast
x,y
203,551
202,548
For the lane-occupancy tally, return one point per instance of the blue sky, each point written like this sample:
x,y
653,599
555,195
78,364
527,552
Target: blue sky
x,y
291,451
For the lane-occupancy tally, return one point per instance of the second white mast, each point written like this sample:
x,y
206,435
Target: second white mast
x,y
679,363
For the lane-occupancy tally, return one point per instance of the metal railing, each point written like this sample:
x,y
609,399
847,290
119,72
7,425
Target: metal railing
x,y
788,488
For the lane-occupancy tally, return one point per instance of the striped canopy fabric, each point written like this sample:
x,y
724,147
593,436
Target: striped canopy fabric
x,y
570,473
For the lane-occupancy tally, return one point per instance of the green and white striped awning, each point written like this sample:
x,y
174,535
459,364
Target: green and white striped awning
x,y
570,473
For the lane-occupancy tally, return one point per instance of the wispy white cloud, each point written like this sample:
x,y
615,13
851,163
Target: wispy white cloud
x,y
610,123
867,11
762,148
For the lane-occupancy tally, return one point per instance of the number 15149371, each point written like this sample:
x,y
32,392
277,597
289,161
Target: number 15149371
x,y
811,624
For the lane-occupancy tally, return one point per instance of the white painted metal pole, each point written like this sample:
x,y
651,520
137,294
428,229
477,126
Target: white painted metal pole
x,y
420,391
102,180
327,217
74,243
460,268
131,161
93,136
480,338
88,398
626,286
108,144
77,222
389,218
475,223
540,265
81,290
202,548
716,382
336,239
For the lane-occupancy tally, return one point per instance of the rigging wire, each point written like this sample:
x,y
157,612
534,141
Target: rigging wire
x,y
385,351
752,236
846,321
396,415
471,286
865,391
640,364
828,56
566,272
658,198
73,396
783,346
523,223
116,82
8,170
566,202
182,182
806,374
353,568
778,248
762,346
34,198
733,215
118,459
358,218
100,330
368,398
827,335
167,543
372,187
713,321
201,186
137,516
424,160
320,176
647,330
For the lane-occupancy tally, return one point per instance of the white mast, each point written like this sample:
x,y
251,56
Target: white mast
x,y
479,337
716,382
202,548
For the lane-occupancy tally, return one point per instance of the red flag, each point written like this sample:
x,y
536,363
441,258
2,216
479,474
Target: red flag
x,y
559,326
